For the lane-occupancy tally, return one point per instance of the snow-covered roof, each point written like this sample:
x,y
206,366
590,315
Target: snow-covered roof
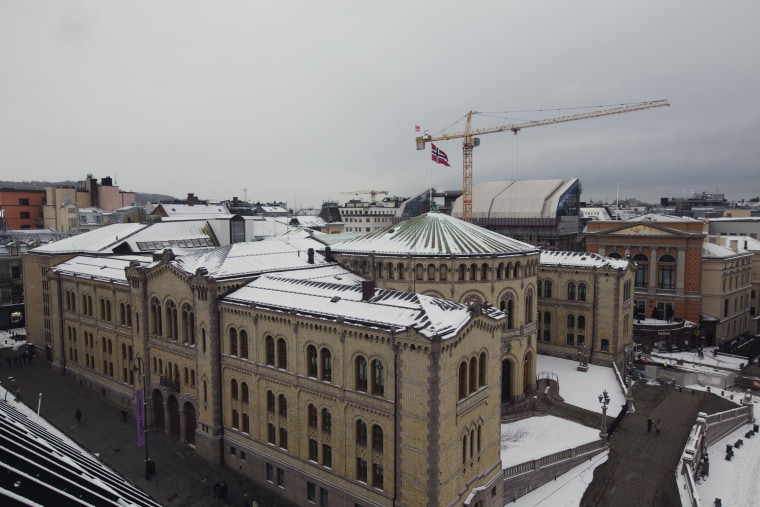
x,y
581,259
105,268
516,198
599,213
177,210
434,234
243,259
189,234
386,309
655,217
98,241
309,221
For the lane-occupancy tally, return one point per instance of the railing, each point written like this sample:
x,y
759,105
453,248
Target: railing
x,y
552,459
169,384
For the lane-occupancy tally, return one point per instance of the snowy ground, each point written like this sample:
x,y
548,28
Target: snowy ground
x,y
535,437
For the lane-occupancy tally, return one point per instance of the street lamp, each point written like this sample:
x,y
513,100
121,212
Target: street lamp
x,y
141,412
604,400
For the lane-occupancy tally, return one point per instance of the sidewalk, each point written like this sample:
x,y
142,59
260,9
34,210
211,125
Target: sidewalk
x,y
641,466
181,479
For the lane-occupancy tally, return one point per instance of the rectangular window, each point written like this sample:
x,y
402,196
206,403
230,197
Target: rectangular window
x,y
323,501
271,434
361,470
327,455
377,476
270,472
23,201
605,345
24,214
570,339
233,451
280,477
311,492
243,456
313,450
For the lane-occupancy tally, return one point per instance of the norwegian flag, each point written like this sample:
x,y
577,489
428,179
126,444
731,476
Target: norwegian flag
x,y
439,156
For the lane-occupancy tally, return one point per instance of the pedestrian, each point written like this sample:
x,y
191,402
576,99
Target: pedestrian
x,y
657,427
124,414
78,415
18,393
650,423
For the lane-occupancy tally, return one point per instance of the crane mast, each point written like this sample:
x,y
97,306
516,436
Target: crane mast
x,y
469,141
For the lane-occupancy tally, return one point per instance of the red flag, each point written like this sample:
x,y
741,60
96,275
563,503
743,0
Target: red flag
x,y
439,156
417,128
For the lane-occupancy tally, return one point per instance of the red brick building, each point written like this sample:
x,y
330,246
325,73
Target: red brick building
x,y
21,209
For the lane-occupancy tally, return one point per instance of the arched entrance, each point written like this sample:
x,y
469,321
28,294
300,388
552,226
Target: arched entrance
x,y
506,381
158,409
172,406
189,423
529,373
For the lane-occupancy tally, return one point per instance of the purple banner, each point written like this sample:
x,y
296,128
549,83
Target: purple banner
x,y
140,416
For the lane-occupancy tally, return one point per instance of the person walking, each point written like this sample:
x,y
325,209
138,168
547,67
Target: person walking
x,y
78,415
657,427
650,423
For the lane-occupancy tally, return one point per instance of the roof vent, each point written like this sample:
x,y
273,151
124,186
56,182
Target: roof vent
x,y
335,299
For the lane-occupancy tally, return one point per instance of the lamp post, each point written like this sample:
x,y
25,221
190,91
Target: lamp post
x,y
142,424
604,400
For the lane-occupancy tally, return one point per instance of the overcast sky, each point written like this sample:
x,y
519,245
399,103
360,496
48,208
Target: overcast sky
x,y
302,101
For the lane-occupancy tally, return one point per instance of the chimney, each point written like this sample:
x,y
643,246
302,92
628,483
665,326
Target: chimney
x,y
310,253
368,289
328,254
191,199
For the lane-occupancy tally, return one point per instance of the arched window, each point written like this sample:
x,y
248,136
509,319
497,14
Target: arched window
x,y
269,350
401,271
464,449
311,361
377,438
270,401
122,313
582,292
547,327
443,272
548,289
666,272
529,312
243,390
326,421
484,272
641,262
360,373
570,321
473,272
283,406
155,316
188,324
243,338
311,415
378,378
361,433
482,378
462,379
419,272
431,272
234,389
473,375
461,272
326,363
233,341
282,354
571,291
171,320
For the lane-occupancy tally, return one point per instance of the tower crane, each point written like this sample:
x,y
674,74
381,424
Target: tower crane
x,y
470,141
372,193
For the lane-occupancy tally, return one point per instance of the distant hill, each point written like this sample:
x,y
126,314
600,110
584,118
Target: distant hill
x,y
141,197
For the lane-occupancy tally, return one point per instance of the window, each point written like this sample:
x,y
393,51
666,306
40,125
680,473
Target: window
x,y
326,360
378,378
235,419
243,344
326,455
361,470
482,370
271,434
282,354
582,292
313,450
311,492
361,374
377,476
548,289
323,499
280,477
605,345
284,438
269,346
326,421
312,416
547,327
666,272
361,433
571,291
283,406
24,214
243,390
270,401
270,472
377,438
234,389
463,392
641,262
311,361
